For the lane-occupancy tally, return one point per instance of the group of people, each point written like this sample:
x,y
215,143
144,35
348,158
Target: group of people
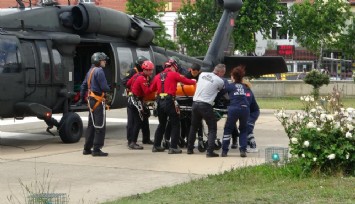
x,y
140,83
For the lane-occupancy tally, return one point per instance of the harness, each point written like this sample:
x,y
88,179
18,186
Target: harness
x,y
162,95
99,99
136,101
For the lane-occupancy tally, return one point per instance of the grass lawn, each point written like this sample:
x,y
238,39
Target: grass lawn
x,y
259,184
293,103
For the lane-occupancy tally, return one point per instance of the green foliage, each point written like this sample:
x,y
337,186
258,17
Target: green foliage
x,y
254,16
317,25
197,23
150,10
269,184
322,135
347,41
317,80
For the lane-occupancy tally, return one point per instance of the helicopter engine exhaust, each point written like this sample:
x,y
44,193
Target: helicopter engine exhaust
x,y
91,19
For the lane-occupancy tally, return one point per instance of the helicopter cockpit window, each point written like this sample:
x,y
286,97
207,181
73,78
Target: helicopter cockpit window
x,y
9,56
126,60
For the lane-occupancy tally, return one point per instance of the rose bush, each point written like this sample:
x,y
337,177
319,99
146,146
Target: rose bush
x,y
322,135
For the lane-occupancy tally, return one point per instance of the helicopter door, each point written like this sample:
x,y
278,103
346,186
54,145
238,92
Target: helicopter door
x,y
11,75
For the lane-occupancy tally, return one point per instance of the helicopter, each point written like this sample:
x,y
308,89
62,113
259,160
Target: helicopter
x,y
45,53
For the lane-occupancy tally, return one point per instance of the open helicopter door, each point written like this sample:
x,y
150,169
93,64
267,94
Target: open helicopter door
x,y
11,74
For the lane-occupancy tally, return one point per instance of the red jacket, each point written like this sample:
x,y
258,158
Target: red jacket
x,y
138,84
170,83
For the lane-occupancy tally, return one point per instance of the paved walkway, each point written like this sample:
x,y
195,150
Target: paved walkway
x,y
36,159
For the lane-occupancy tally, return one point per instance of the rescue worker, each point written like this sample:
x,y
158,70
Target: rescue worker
x,y
238,109
254,115
185,116
96,85
209,84
194,73
145,124
137,111
165,84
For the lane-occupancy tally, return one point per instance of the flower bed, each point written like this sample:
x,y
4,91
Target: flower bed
x,y
322,135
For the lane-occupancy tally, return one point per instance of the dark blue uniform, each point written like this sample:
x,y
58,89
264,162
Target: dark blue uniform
x,y
237,110
95,136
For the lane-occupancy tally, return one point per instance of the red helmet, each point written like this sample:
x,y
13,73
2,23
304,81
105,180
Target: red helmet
x,y
147,65
171,63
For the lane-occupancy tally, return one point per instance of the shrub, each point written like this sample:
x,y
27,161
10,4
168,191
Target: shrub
x,y
317,80
322,135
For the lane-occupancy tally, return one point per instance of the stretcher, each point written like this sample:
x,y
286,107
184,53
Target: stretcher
x,y
184,97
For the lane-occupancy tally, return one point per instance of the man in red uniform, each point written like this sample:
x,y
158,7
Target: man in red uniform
x,y
165,84
136,110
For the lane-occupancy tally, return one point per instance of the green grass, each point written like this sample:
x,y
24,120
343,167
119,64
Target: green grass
x,y
293,103
259,184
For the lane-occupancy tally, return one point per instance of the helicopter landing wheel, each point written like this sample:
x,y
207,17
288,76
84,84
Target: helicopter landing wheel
x,y
70,127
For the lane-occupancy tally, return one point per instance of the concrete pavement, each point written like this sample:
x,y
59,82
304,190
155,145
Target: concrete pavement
x,y
30,156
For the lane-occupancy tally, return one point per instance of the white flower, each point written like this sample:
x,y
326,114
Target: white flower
x,y
314,158
323,117
301,98
349,110
306,143
301,116
337,125
306,99
348,135
347,156
350,126
330,117
311,98
311,125
313,110
303,155
331,156
319,129
294,140
282,114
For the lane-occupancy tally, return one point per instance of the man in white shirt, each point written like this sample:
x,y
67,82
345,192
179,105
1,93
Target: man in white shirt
x,y
209,84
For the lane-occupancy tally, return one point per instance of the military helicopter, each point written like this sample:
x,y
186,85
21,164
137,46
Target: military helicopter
x,y
45,53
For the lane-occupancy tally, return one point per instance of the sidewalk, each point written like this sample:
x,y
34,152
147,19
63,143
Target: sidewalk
x,y
87,179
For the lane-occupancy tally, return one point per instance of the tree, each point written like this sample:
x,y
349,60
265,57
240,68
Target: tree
x,y
150,10
346,41
198,21
317,80
317,24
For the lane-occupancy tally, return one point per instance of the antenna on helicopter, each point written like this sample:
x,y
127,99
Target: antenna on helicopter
x,y
21,4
